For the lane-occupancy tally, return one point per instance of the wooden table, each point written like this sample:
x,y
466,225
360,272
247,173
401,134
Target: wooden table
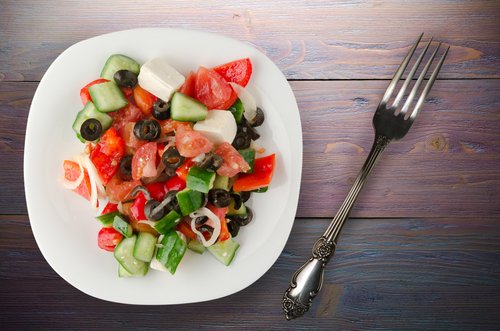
x,y
422,250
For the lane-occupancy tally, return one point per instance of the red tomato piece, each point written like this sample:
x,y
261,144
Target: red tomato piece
x,y
108,238
233,161
184,228
109,208
263,170
191,143
72,172
84,92
137,208
213,90
118,190
175,183
156,190
189,86
183,169
221,214
127,91
144,100
144,161
238,71
168,126
129,113
107,154
131,141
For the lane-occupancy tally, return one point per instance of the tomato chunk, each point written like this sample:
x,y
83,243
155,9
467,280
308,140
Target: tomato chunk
x,y
191,143
84,92
168,126
189,86
144,100
238,71
129,113
72,172
233,162
263,170
131,141
213,90
118,190
109,208
108,238
107,154
144,161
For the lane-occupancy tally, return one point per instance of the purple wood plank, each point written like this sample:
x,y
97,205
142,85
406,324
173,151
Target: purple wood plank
x,y
447,165
307,40
387,274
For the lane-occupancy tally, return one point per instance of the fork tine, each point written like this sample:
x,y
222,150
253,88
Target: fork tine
x,y
410,77
428,86
414,90
399,72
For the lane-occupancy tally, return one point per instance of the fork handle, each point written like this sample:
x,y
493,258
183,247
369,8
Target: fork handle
x,y
306,282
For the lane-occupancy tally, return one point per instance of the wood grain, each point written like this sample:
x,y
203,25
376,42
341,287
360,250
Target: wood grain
x,y
432,172
307,39
405,274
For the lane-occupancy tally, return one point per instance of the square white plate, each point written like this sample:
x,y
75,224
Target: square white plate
x,y
64,224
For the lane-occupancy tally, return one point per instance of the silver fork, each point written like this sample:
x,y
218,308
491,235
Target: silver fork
x,y
390,123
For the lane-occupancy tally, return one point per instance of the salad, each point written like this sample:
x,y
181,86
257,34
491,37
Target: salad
x,y
170,159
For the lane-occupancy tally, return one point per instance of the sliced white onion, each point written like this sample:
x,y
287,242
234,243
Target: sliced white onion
x,y
198,158
71,185
208,213
247,100
93,181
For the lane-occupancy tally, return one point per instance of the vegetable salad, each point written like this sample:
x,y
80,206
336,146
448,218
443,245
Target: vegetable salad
x,y
170,159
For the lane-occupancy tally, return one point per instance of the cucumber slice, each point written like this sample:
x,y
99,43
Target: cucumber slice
x,y
171,251
107,97
196,246
145,246
261,190
242,211
200,180
249,156
122,226
168,222
122,272
90,111
237,110
118,62
221,182
224,251
186,109
107,219
124,254
189,200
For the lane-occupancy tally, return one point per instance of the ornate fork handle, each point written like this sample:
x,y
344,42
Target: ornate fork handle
x,y
306,282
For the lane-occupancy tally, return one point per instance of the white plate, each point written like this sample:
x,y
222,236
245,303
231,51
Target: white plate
x,y
63,223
